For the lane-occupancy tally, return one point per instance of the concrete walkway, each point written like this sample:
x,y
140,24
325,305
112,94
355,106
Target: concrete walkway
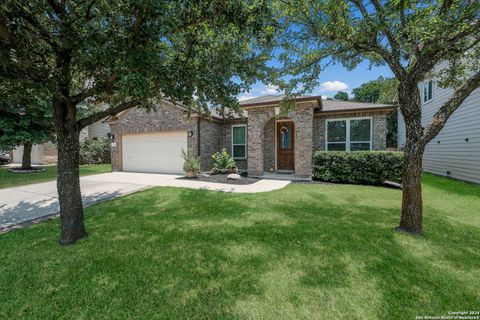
x,y
20,206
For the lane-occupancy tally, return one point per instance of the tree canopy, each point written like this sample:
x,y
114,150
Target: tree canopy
x,y
25,116
341,95
413,38
383,90
126,54
129,52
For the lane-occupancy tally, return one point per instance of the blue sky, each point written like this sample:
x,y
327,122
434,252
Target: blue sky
x,y
334,78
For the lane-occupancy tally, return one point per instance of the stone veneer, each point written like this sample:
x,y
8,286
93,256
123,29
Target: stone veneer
x,y
261,140
302,117
269,148
257,119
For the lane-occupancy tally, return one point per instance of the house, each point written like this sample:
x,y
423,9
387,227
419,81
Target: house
x,y
455,151
47,153
259,139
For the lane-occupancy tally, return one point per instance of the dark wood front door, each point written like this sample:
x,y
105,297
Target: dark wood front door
x,y
285,145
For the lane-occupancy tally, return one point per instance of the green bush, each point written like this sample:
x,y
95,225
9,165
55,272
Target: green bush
x,y
223,162
93,151
366,167
192,163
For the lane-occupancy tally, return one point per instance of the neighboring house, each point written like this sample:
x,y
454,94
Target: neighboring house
x,y
259,140
47,153
455,151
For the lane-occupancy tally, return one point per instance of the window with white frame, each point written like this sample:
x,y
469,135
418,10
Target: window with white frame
x,y
427,91
353,134
239,141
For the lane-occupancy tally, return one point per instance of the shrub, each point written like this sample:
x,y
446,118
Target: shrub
x,y
223,162
191,164
366,167
93,151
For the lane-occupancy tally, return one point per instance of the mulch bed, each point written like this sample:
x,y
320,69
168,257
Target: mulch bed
x,y
30,170
221,178
386,184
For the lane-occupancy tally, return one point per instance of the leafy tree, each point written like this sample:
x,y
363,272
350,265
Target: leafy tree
x,y
413,38
382,90
341,95
19,127
127,53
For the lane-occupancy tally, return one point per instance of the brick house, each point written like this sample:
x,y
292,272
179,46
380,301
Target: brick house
x,y
259,139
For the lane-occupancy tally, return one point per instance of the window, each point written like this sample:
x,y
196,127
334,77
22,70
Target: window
x,y
349,134
239,141
427,91
285,138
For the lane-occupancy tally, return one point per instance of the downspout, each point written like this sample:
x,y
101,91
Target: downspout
x,y
198,137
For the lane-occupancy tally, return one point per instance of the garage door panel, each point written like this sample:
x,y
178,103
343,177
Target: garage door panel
x,y
155,152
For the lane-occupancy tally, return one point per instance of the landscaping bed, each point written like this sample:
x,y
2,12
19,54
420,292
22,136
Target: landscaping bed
x,y
221,178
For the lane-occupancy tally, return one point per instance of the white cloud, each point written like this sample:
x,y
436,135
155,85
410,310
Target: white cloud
x,y
246,96
270,89
333,86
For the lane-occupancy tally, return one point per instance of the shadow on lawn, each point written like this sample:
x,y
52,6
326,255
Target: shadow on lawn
x,y
198,254
231,248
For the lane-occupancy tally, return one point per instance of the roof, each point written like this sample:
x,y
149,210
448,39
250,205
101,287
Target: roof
x,y
276,99
338,106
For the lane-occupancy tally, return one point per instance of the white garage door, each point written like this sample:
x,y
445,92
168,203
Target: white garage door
x,y
154,152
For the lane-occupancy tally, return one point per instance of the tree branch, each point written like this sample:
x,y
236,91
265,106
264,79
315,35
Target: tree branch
x,y
448,108
105,85
82,123
392,59
388,32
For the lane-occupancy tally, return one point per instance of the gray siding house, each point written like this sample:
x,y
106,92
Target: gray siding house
x,y
455,151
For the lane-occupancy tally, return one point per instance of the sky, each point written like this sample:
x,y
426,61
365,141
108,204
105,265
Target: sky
x,y
335,78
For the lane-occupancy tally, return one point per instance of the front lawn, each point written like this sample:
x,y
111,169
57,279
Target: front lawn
x,y
9,179
306,251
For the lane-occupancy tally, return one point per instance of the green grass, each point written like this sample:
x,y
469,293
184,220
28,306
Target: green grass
x,y
303,252
9,179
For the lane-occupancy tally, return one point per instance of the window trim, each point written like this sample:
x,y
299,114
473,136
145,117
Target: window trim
x,y
240,144
426,84
347,141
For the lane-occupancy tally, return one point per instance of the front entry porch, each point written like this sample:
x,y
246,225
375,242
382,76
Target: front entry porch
x,y
276,144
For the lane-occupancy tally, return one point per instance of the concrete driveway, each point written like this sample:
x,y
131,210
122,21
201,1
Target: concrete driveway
x,y
20,206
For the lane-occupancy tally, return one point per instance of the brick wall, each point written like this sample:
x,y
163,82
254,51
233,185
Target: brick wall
x,y
165,117
211,141
302,117
257,119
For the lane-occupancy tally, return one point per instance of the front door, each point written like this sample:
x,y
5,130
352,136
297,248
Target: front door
x,y
285,145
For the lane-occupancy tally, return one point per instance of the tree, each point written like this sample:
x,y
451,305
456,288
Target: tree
x,y
413,38
382,90
127,54
341,96
19,127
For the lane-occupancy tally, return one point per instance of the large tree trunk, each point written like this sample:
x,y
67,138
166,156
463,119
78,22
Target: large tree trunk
x,y
412,203
27,156
68,180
